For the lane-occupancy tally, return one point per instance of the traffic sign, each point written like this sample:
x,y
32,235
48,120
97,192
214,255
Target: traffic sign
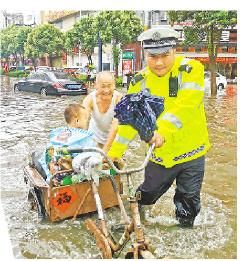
x,y
128,55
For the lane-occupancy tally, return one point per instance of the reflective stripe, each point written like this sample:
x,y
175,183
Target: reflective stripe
x,y
173,119
143,84
184,61
191,86
154,157
190,153
122,140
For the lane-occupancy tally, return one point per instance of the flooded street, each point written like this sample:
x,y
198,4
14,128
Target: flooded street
x,y
26,120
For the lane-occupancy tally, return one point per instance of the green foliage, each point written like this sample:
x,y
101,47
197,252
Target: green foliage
x,y
21,38
44,39
116,55
18,73
204,24
83,34
209,25
13,39
82,77
1,71
119,81
172,17
118,27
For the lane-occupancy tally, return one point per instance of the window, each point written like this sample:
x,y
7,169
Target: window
x,y
32,76
46,77
59,24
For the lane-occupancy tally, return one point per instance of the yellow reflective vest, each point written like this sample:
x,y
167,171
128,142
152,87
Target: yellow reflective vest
x,y
183,121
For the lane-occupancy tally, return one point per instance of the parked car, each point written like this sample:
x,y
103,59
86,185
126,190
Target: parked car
x,y
80,71
43,68
221,81
51,83
70,69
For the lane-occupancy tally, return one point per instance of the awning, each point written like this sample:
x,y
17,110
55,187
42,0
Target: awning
x,y
226,60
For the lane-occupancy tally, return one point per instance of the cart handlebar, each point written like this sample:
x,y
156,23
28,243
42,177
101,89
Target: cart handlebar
x,y
109,161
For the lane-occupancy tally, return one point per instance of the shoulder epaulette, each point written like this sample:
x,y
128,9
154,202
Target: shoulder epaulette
x,y
184,66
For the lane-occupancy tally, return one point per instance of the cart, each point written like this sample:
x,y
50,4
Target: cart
x,y
59,203
63,202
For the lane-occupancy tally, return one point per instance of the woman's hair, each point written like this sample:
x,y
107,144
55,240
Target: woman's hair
x,y
72,111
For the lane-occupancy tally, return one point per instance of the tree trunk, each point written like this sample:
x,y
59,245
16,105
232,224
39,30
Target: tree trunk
x,y
50,60
15,58
89,59
34,63
116,52
212,52
23,60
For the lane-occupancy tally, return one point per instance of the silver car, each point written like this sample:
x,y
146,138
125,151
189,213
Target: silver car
x,y
221,81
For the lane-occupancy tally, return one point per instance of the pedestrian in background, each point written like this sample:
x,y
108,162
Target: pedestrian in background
x,y
6,69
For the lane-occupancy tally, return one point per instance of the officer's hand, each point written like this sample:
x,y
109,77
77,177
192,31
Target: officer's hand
x,y
157,139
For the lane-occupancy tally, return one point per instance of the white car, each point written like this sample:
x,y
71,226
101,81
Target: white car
x,y
221,81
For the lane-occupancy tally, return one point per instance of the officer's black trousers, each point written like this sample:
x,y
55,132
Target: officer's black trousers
x,y
189,177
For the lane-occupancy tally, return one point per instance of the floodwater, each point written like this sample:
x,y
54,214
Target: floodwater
x,y
26,120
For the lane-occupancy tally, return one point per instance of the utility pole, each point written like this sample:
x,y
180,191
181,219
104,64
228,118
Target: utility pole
x,y
99,53
79,44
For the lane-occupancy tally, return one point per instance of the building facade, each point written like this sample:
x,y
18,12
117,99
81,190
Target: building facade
x,y
65,20
29,18
227,48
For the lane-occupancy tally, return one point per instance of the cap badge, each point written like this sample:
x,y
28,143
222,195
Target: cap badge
x,y
156,36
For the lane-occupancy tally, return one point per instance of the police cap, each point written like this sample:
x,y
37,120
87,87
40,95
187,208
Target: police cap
x,y
159,40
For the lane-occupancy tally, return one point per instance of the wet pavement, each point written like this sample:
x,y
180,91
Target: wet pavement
x,y
26,120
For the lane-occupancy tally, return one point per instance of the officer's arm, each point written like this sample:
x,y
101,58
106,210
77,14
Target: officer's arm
x,y
190,98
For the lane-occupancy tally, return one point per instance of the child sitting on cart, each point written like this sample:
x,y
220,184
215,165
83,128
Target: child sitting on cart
x,y
74,135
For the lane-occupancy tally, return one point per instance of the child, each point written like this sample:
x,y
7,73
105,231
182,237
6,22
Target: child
x,y
74,135
76,116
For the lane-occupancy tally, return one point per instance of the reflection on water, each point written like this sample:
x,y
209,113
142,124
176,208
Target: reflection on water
x,y
25,124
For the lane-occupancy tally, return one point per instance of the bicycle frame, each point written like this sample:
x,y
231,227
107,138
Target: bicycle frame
x,y
104,239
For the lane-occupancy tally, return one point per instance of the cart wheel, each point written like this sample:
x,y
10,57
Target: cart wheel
x,y
130,254
142,254
101,240
31,200
35,203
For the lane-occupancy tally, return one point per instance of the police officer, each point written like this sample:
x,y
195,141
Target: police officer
x,y
181,138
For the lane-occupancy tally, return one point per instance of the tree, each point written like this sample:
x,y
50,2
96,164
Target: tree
x,y
21,39
44,39
172,17
208,25
118,28
12,41
83,35
4,36
8,42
